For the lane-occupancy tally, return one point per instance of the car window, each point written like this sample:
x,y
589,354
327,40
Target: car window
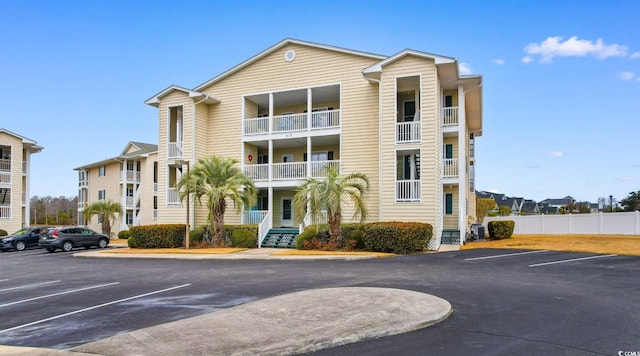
x,y
87,232
20,232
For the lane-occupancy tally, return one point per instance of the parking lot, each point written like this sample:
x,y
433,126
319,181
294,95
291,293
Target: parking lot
x,y
505,301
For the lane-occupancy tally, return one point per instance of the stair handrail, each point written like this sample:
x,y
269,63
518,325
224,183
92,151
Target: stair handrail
x,y
263,228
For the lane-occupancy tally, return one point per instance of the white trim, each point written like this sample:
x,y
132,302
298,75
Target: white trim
x,y
438,59
296,89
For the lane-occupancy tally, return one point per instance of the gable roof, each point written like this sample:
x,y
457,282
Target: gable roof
x,y
277,46
155,100
29,144
438,59
143,150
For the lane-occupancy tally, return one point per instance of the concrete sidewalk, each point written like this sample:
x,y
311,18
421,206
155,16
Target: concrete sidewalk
x,y
288,324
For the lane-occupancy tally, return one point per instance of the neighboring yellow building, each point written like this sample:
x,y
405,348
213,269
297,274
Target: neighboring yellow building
x,y
130,179
15,169
407,121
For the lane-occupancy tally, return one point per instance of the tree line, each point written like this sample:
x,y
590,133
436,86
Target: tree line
x,y
53,210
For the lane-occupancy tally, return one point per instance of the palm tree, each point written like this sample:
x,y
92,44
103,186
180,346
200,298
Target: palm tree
x,y
316,195
106,210
217,179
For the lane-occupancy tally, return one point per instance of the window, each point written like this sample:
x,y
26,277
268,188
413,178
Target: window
x,y
448,151
99,219
263,203
448,101
101,194
102,171
263,159
448,204
129,219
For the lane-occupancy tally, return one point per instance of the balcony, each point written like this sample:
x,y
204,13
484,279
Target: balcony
x,y
449,116
450,168
255,216
408,132
408,190
130,176
292,123
289,170
5,178
155,214
5,165
155,188
129,203
5,211
174,151
24,167
172,196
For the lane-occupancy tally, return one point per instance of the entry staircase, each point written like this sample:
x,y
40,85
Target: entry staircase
x,y
281,238
450,237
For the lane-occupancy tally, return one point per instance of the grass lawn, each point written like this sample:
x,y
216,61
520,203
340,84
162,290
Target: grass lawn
x,y
605,244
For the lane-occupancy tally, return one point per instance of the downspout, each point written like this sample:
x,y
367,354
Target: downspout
x,y
193,152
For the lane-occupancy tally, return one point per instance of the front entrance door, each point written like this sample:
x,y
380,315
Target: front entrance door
x,y
287,215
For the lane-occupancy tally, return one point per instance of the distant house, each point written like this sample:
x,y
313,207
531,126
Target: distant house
x,y
557,203
529,207
518,205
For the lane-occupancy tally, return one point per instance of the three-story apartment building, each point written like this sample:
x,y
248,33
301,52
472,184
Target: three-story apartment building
x,y
15,169
129,179
408,121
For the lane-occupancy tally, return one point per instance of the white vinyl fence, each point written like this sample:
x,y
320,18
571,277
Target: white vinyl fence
x,y
591,224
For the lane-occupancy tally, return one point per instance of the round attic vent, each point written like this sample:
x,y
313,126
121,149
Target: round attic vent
x,y
289,55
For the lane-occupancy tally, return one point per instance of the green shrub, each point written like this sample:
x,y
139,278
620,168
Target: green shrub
x,y
156,236
229,229
397,237
353,232
196,235
321,232
124,234
500,229
244,238
3,233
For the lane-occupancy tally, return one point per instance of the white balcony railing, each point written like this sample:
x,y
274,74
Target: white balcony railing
x,y
5,177
408,190
288,123
449,168
317,168
172,196
155,214
130,176
408,132
129,203
155,188
325,119
24,167
81,204
5,165
175,150
257,172
254,216
83,183
292,122
294,170
450,116
5,211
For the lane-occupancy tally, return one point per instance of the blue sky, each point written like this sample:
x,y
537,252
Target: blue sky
x,y
561,78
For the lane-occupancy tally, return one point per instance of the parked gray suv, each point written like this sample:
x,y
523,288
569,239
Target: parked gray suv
x,y
66,238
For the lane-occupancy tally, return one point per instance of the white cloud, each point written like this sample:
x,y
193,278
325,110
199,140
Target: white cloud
x,y
626,75
556,153
574,47
464,69
498,61
635,55
526,59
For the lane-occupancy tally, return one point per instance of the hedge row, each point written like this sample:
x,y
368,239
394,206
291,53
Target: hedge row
x,y
500,229
156,236
396,237
172,235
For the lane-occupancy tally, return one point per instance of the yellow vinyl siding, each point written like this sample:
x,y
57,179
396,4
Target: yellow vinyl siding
x,y
428,209
172,213
312,67
16,221
146,184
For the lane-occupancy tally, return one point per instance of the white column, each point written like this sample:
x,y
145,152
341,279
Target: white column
x,y
309,108
270,120
308,156
270,197
270,161
463,175
27,211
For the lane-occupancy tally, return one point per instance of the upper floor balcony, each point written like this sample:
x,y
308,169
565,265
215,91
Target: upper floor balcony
x,y
174,151
408,132
316,120
5,178
449,119
5,211
129,176
289,171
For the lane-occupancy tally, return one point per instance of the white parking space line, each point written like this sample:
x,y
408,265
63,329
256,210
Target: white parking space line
x,y
504,255
57,294
28,285
91,308
571,260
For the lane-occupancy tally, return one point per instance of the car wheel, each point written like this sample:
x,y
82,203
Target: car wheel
x,y
67,246
51,250
102,243
20,246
